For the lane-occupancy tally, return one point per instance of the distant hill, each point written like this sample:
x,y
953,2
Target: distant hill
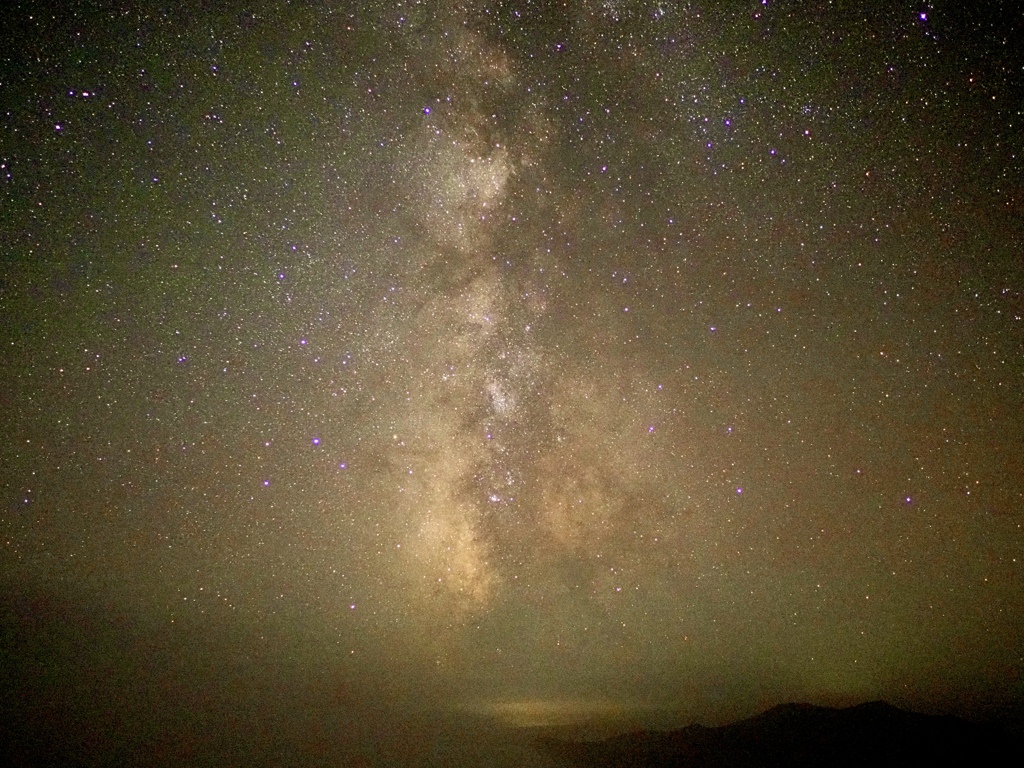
x,y
797,735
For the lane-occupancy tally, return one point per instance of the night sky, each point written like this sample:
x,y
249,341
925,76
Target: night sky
x,y
373,365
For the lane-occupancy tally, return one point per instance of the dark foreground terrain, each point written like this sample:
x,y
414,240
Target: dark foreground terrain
x,y
795,735
91,686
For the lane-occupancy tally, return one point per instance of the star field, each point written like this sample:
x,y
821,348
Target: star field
x,y
537,363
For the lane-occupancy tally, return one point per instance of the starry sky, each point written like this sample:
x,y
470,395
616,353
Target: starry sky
x,y
521,362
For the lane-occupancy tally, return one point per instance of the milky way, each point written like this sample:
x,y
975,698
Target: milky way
x,y
609,361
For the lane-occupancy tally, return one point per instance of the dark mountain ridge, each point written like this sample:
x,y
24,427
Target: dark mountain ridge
x,y
797,735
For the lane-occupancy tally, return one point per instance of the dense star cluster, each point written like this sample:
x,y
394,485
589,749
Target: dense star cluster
x,y
538,362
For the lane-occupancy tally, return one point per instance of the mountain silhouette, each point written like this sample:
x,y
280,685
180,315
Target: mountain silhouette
x,y
798,735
